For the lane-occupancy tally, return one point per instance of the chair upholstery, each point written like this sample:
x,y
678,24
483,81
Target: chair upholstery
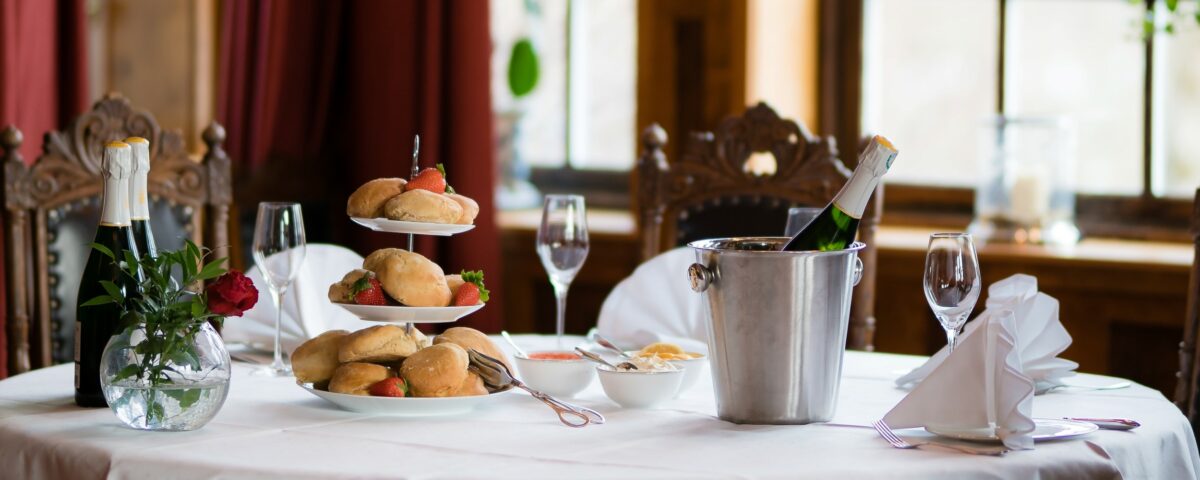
x,y
52,208
708,192
1187,390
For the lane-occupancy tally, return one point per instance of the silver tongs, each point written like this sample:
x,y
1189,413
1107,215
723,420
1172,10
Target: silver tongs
x,y
496,377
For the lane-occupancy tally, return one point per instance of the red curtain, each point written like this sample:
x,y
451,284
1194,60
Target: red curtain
x,y
43,81
352,82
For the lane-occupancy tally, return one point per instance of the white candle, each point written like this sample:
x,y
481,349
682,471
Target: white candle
x,y
1029,198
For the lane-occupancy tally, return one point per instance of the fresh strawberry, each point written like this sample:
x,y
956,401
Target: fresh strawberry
x,y
367,291
389,387
472,292
432,179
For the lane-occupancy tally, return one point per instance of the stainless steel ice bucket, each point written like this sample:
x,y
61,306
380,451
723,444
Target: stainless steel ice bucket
x,y
776,326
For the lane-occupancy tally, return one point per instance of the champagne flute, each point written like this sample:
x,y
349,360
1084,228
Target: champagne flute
x,y
562,244
279,249
951,280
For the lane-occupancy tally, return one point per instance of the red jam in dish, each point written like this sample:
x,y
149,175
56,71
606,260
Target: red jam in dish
x,y
554,356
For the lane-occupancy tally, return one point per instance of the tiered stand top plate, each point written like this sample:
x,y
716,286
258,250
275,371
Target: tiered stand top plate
x,y
417,228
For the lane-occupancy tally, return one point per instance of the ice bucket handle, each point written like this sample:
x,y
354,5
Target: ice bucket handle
x,y
858,271
700,277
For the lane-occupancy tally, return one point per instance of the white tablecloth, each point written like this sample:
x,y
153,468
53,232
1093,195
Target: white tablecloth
x,y
272,428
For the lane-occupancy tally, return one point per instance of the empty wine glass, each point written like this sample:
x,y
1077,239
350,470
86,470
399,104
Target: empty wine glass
x,y
951,280
279,249
562,244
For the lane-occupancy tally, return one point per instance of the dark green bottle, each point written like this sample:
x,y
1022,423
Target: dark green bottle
x,y
836,226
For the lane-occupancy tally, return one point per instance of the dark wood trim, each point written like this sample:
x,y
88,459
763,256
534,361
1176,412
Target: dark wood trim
x,y
1148,114
1001,56
602,188
1186,397
840,84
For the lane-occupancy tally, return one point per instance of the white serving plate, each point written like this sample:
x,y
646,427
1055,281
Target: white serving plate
x,y
406,406
402,314
1046,429
421,228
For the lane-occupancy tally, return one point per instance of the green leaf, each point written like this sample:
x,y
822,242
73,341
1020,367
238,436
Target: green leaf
x,y
131,262
98,300
1172,5
129,371
105,250
522,68
186,357
212,270
113,291
186,397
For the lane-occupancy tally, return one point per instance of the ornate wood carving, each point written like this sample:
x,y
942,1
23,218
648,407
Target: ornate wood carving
x,y
68,170
711,169
1187,390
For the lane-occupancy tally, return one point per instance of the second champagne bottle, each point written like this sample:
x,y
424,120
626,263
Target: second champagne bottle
x,y
139,207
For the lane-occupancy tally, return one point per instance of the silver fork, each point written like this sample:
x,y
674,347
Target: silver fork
x,y
886,432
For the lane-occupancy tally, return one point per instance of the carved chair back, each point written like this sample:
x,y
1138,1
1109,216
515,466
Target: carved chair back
x,y
52,209
1187,390
709,192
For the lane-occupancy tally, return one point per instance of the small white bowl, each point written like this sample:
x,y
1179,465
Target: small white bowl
x,y
640,389
560,378
693,369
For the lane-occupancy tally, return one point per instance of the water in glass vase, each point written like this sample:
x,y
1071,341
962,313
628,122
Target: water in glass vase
x,y
167,407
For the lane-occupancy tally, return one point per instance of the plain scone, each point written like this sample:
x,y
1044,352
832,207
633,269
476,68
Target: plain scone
x,y
315,360
368,200
423,206
470,209
381,343
469,338
436,371
409,278
357,378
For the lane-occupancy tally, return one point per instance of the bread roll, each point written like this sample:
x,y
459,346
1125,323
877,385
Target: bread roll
x,y
437,371
357,378
340,291
380,344
409,278
472,385
469,338
368,200
315,360
422,206
470,209
454,281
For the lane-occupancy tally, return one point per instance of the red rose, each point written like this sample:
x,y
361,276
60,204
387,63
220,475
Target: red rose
x,y
232,294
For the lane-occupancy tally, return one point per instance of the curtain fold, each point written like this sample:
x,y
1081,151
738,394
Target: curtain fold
x,y
43,83
350,83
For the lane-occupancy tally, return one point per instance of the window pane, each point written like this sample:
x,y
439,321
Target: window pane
x,y
604,84
1084,60
541,138
929,80
1181,106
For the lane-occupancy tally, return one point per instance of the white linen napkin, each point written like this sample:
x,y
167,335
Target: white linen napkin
x,y
1040,334
656,304
980,386
307,311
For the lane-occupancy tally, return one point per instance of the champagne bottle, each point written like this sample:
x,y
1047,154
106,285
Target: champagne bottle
x,y
139,210
835,227
94,325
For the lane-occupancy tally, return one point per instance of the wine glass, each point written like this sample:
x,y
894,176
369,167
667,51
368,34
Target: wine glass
x,y
562,244
798,218
951,280
279,249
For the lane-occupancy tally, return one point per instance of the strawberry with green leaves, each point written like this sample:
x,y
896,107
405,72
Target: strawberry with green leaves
x,y
432,179
367,291
389,387
472,291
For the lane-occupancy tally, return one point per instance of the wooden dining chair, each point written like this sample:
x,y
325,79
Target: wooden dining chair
x,y
710,191
1187,390
52,208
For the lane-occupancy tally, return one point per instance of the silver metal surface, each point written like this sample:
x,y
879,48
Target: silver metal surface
x,y
777,324
886,432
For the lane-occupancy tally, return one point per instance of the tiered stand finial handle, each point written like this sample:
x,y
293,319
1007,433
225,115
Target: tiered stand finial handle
x,y
416,168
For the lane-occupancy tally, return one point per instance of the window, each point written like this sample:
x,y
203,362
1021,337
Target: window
x,y
960,63
581,113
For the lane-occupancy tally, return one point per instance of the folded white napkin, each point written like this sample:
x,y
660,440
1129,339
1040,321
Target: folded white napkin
x,y
1040,334
307,311
980,386
656,304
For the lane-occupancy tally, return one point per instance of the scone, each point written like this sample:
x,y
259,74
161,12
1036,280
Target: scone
x,y
419,205
470,209
469,338
315,360
368,200
357,378
471,386
437,371
381,344
454,281
409,278
340,291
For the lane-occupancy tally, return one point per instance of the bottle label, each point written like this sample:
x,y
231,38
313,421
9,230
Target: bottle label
x,y
853,197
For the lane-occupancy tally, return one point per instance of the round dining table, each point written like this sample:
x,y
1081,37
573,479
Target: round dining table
x,y
272,428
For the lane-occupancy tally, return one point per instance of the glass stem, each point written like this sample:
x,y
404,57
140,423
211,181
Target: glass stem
x,y
560,294
951,337
277,364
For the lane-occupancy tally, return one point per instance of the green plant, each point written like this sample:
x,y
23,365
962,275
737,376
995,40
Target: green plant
x,y
1149,23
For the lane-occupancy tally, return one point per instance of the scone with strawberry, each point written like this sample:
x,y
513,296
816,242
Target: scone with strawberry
x,y
361,287
426,198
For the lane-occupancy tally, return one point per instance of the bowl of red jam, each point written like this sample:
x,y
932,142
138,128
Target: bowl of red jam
x,y
558,373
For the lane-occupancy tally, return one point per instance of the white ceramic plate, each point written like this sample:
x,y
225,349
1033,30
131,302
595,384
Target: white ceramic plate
x,y
401,226
404,407
1047,429
401,314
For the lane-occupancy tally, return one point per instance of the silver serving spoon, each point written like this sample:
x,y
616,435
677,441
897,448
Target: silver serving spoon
x,y
508,338
603,342
598,359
